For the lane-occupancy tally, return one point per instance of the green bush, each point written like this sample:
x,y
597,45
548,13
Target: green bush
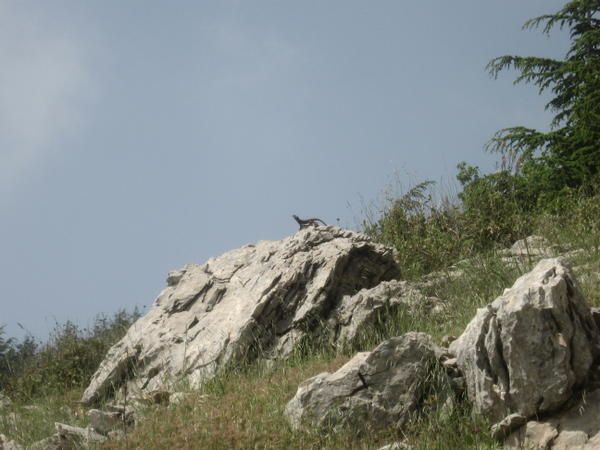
x,y
426,235
66,361
496,207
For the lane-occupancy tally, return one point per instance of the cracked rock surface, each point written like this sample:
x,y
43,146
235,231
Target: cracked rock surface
x,y
374,389
530,349
362,310
258,301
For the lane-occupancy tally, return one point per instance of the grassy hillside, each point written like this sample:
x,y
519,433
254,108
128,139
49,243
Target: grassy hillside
x,y
244,409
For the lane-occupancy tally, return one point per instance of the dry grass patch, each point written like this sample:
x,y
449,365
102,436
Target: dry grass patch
x,y
242,411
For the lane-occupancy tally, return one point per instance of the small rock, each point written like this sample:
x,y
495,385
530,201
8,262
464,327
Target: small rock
x,y
529,350
447,340
536,246
398,445
32,408
449,363
103,422
570,439
6,444
78,435
534,435
577,427
113,407
507,425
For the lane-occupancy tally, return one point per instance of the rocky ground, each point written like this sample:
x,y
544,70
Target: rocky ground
x,y
528,362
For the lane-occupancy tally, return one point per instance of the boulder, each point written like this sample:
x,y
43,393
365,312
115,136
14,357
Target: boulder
x,y
373,390
362,310
259,301
532,347
576,428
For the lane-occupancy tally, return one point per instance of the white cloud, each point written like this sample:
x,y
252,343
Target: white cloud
x,y
44,83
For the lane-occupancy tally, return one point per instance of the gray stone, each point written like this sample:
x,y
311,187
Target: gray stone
x,y
358,312
258,302
77,435
532,347
396,446
103,421
68,437
533,436
577,427
534,246
7,444
507,425
373,390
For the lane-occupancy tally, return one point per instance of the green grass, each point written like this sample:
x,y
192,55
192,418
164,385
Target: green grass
x,y
245,411
29,422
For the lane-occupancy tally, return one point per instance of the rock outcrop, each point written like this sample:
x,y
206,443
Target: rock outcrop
x,y
531,348
259,301
374,389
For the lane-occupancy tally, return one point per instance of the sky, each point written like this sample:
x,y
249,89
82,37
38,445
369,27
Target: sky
x,y
138,136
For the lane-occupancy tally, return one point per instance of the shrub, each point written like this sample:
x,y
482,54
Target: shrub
x,y
426,235
67,360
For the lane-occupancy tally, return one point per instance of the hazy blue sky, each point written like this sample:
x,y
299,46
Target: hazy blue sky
x,y
137,136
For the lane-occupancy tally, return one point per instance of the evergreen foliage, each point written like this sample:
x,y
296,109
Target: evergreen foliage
x,y
567,156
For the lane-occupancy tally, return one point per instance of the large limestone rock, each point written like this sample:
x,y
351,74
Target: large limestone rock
x,y
532,347
374,389
259,301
